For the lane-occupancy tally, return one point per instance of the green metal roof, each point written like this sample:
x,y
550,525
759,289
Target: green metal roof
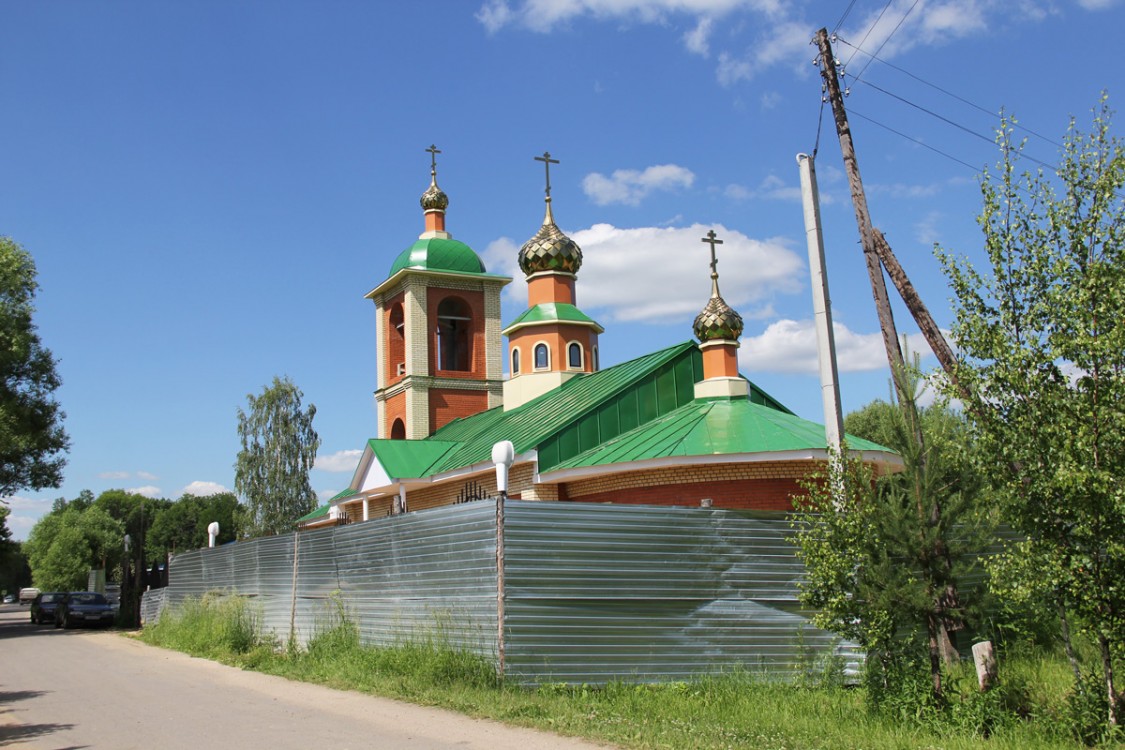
x,y
552,312
438,254
408,459
318,513
546,420
708,427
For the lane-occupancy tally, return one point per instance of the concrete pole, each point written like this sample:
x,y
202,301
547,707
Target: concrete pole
x,y
822,307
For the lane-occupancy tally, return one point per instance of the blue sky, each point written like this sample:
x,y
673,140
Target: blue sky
x,y
210,188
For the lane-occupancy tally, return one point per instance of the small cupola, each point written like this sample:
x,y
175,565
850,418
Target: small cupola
x,y
718,327
434,201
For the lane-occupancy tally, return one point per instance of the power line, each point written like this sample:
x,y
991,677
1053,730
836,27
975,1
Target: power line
x,y
901,21
869,30
948,93
847,12
852,111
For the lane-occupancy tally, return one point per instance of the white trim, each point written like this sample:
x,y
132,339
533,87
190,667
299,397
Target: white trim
x,y
581,356
535,356
540,323
513,371
669,462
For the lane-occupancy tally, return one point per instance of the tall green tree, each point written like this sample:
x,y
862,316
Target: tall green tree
x,y
279,447
183,525
883,568
1041,331
32,439
64,546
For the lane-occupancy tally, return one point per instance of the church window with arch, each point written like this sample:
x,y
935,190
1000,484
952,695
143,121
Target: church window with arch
x,y
542,356
454,335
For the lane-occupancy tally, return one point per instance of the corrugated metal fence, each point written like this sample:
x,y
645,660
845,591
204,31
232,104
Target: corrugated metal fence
x,y
591,593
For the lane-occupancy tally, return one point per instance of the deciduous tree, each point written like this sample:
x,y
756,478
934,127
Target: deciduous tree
x,y
1041,332
32,439
279,447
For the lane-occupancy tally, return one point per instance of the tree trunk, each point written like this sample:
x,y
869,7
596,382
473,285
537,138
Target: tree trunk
x,y
932,625
1107,671
1068,644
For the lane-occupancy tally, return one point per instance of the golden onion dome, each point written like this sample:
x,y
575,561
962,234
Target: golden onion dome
x,y
550,249
434,198
717,321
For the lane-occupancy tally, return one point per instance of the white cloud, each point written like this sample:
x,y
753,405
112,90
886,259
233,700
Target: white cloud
x,y
325,495
25,512
630,187
147,476
770,100
147,491
114,475
668,271
1097,4
772,188
790,346
340,461
202,489
696,40
546,15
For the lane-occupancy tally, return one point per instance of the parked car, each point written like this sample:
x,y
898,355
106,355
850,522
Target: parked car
x,y
84,608
10,599
43,606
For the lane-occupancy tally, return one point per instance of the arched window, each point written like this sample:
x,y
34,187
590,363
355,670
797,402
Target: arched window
x,y
594,361
398,430
396,342
515,361
454,335
542,357
574,355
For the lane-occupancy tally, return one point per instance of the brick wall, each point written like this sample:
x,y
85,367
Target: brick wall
x,y
749,486
447,405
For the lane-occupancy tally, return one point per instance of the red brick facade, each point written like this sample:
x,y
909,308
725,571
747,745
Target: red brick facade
x,y
447,404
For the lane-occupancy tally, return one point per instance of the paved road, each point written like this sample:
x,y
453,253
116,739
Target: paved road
x,y
64,690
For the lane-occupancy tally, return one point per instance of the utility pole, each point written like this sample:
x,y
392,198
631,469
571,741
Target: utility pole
x,y
862,217
876,249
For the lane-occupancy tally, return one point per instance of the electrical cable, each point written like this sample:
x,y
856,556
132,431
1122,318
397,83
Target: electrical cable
x,y
948,93
901,21
852,111
847,12
869,30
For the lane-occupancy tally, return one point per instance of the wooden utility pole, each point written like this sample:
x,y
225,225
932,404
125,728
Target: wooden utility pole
x,y
862,217
876,249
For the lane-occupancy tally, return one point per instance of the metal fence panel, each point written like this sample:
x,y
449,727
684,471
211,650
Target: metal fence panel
x,y
423,575
602,592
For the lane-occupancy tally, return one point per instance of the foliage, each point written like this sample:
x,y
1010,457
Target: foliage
x,y
65,544
216,626
279,447
183,524
1042,339
738,709
32,439
14,573
886,557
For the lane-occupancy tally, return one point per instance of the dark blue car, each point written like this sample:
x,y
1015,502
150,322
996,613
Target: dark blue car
x,y
43,606
84,608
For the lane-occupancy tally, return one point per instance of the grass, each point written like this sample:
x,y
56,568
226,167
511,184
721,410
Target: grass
x,y
727,711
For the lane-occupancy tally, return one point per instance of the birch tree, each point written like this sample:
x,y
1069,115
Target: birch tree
x,y
279,447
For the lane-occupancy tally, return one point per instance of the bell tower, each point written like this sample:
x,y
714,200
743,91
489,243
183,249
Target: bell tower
x,y
437,330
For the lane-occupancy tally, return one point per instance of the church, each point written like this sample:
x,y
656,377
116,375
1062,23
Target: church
x,y
676,427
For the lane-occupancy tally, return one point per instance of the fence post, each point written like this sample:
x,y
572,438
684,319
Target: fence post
x,y
293,591
500,581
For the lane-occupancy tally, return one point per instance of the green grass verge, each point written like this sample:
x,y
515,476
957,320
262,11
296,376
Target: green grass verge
x,y
728,711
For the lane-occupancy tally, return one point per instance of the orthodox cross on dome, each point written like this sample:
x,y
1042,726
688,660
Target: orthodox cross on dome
x,y
547,162
712,239
433,151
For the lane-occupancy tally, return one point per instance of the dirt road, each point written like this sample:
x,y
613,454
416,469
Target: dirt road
x,y
63,690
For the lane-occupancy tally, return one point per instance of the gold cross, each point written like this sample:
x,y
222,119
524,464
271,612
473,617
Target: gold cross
x,y
712,240
433,151
547,162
